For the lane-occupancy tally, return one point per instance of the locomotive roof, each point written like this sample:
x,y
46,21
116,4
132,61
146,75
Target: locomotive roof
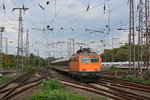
x,y
91,53
60,60
67,59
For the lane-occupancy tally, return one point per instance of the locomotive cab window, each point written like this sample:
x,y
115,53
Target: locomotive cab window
x,y
85,59
73,60
94,59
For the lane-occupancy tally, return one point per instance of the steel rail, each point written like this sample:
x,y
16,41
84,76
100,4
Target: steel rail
x,y
14,80
95,90
22,90
111,92
142,85
124,86
125,93
21,80
2,91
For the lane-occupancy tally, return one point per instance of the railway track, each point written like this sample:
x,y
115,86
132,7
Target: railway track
x,y
20,84
106,90
115,88
125,84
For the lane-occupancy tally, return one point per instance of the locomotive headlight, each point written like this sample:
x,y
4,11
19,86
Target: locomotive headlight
x,y
97,74
83,69
84,74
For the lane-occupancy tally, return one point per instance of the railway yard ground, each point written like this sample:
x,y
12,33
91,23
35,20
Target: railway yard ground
x,y
25,86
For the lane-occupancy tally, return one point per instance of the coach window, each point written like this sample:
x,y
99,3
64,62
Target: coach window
x,y
75,59
94,59
72,60
85,59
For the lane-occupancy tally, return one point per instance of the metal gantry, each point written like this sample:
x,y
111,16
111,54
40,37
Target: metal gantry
x,y
27,49
20,38
143,35
131,49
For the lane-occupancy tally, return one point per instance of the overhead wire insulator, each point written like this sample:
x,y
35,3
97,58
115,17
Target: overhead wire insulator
x,y
104,8
48,26
88,7
86,29
4,7
47,2
137,8
72,29
41,7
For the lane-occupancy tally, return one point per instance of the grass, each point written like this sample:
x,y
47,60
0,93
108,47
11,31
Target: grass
x,y
4,79
52,85
134,79
110,68
54,90
113,68
48,67
27,69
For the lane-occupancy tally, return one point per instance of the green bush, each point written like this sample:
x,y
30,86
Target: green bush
x,y
57,95
51,85
113,68
147,82
27,68
53,90
4,79
134,79
48,67
122,77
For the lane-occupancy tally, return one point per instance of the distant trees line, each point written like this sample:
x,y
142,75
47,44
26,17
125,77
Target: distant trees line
x,y
121,54
10,61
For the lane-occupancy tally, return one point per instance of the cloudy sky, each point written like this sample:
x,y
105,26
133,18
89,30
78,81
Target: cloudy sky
x,y
53,23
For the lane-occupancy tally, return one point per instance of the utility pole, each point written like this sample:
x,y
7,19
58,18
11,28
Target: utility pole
x,y
49,58
131,37
6,45
147,34
104,45
20,38
27,48
140,8
113,42
1,47
73,45
69,48
38,56
148,45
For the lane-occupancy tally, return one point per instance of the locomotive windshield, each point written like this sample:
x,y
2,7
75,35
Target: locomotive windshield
x,y
90,59
85,59
94,59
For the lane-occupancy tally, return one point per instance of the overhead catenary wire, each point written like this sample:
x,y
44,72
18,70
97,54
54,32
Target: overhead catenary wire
x,y
72,26
57,13
78,13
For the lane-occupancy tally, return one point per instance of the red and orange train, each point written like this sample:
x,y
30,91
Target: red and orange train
x,y
85,65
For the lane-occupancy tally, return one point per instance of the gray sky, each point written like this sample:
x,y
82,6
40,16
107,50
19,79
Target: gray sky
x,y
84,20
